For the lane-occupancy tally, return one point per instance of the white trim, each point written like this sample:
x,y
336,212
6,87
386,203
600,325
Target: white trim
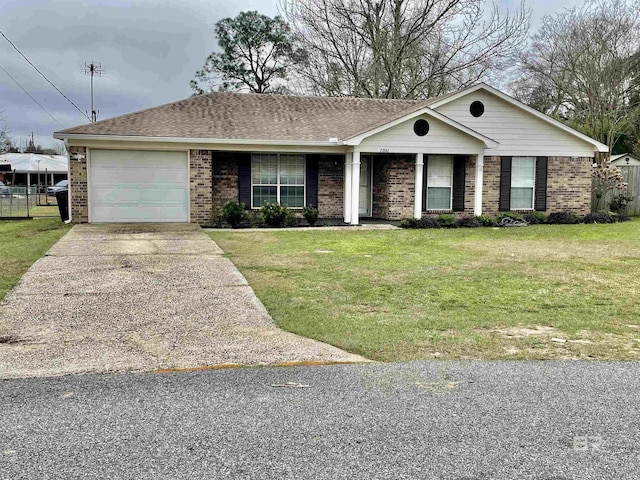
x,y
346,189
419,173
208,141
477,193
483,86
488,142
355,188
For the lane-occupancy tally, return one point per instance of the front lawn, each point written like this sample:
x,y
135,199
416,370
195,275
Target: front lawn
x,y
22,242
469,293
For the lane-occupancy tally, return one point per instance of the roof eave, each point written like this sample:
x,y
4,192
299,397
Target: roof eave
x,y
188,140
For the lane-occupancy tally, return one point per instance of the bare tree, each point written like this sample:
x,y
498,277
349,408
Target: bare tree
x,y
402,48
5,141
583,67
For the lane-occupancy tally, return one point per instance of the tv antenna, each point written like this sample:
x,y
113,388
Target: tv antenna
x,y
93,68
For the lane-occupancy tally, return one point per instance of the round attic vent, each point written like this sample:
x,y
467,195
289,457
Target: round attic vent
x,y
421,127
477,109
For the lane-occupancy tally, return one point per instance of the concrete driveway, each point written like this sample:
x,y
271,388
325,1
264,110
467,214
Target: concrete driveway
x,y
141,297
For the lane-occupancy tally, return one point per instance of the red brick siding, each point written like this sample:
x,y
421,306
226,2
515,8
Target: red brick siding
x,y
330,187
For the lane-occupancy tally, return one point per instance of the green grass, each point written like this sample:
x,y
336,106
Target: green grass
x,y
22,242
469,293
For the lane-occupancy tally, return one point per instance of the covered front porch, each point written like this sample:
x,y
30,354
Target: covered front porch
x,y
393,186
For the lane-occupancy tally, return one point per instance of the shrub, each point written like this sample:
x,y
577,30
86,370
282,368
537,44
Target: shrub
x,y
424,222
446,220
409,223
310,213
291,219
428,222
561,218
233,213
486,220
467,222
274,214
534,218
254,218
619,202
619,217
598,217
216,218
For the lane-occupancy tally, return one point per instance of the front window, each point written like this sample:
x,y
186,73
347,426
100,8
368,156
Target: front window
x,y
523,173
439,182
277,177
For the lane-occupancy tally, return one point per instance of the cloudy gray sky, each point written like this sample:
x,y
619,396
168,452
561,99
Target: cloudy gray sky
x,y
149,48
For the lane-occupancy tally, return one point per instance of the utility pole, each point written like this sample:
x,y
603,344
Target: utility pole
x,y
92,68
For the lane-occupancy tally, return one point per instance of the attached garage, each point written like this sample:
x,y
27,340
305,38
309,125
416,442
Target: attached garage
x,y
138,186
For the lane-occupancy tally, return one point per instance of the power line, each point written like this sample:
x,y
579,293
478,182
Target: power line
x,y
31,97
42,74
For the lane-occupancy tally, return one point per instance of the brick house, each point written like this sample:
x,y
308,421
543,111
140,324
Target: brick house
x,y
475,151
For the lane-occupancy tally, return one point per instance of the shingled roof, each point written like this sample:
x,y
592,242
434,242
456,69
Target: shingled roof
x,y
255,117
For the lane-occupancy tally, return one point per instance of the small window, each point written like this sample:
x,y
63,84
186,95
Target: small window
x,y
477,109
439,182
421,127
277,178
523,174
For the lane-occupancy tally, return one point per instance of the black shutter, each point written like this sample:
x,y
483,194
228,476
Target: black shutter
x,y
505,184
244,178
425,174
541,184
312,180
459,167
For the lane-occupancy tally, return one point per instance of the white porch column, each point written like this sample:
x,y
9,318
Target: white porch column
x,y
477,197
417,212
348,160
355,189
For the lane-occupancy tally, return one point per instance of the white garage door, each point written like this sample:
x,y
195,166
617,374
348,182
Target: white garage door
x,y
138,186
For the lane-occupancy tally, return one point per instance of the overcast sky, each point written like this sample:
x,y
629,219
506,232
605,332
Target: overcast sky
x,y
150,50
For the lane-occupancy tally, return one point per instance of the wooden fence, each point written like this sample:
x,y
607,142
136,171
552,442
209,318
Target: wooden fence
x,y
632,177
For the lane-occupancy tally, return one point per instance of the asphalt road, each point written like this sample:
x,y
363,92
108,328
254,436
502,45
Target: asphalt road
x,y
440,420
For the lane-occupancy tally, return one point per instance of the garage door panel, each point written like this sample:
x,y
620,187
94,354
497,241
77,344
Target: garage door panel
x,y
138,186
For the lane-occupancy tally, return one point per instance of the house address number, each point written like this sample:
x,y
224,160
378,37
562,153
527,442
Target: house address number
x,y
384,150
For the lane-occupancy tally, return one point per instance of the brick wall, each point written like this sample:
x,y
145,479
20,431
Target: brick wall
x,y
491,186
200,185
78,184
568,185
331,187
225,179
401,184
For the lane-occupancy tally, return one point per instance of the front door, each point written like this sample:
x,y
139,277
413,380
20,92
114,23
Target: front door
x,y
365,187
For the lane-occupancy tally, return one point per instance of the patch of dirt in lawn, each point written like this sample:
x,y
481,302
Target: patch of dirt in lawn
x,y
549,251
524,332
